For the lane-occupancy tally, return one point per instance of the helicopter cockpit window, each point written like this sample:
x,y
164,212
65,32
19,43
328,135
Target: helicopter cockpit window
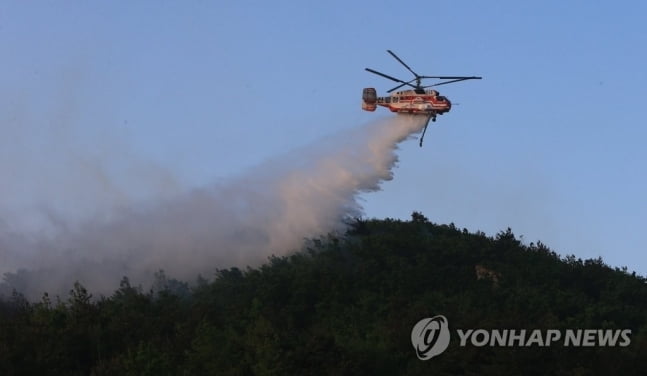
x,y
441,98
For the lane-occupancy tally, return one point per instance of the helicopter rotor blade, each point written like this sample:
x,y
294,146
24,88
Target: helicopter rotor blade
x,y
395,88
402,62
452,81
453,77
384,75
392,79
406,83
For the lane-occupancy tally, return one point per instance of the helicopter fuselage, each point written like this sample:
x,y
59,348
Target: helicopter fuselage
x,y
423,102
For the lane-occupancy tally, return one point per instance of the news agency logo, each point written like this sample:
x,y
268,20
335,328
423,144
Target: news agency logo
x,y
430,337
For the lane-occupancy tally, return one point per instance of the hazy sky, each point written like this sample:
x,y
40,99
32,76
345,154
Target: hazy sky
x,y
106,103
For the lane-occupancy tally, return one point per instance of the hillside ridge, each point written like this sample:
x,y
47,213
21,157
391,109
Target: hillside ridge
x,y
345,304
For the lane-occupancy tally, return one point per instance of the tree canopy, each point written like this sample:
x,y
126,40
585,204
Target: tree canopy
x,y
344,305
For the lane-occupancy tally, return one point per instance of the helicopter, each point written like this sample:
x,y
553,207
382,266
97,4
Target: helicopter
x,y
418,101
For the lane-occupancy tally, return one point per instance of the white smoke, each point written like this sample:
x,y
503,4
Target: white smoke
x,y
269,210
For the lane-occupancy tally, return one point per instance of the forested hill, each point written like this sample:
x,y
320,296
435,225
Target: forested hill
x,y
344,306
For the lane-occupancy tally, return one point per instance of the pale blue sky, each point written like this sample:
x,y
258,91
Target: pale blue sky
x,y
549,143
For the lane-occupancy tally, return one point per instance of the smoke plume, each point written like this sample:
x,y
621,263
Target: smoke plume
x,y
268,210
